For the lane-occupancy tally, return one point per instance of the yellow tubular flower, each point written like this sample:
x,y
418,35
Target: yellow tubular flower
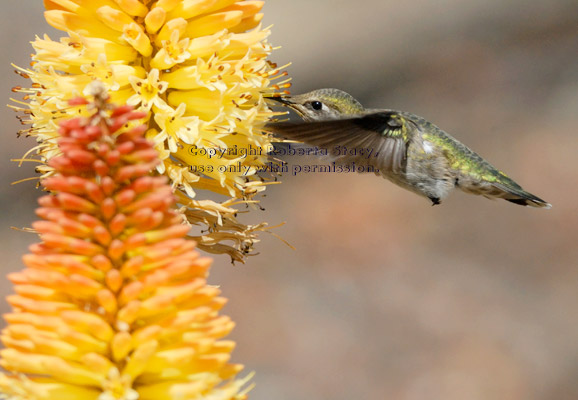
x,y
200,70
113,304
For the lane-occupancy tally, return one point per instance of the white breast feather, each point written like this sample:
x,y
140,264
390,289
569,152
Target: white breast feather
x,y
427,147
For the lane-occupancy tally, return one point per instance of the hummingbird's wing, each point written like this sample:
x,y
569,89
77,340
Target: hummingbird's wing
x,y
379,139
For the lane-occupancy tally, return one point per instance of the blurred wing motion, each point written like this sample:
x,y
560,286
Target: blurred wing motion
x,y
379,139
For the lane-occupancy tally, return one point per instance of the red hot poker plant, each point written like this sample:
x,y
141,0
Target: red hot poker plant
x,y
114,302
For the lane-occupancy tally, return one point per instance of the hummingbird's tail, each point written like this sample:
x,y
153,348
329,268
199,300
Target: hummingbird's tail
x,y
515,194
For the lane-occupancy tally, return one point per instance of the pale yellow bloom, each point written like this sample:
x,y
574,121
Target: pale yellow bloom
x,y
148,92
173,51
176,126
203,62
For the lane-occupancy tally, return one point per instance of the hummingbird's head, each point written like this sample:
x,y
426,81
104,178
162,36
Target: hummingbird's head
x,y
322,105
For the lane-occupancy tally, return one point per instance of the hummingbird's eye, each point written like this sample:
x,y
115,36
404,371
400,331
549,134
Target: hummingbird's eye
x,y
316,105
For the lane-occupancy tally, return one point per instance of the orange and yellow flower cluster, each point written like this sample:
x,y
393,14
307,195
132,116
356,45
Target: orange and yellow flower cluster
x,y
113,304
198,68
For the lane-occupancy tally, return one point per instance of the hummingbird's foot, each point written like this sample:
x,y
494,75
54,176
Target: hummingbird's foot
x,y
435,201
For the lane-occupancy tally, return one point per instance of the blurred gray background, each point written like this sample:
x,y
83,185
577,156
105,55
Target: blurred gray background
x,y
386,297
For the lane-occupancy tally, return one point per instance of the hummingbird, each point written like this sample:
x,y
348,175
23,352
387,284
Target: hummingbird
x,y
405,148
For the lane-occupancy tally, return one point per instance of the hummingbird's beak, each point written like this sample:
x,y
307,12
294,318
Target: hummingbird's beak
x,y
283,100
288,103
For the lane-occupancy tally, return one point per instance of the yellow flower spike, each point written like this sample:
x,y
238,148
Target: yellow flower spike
x,y
202,61
128,313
